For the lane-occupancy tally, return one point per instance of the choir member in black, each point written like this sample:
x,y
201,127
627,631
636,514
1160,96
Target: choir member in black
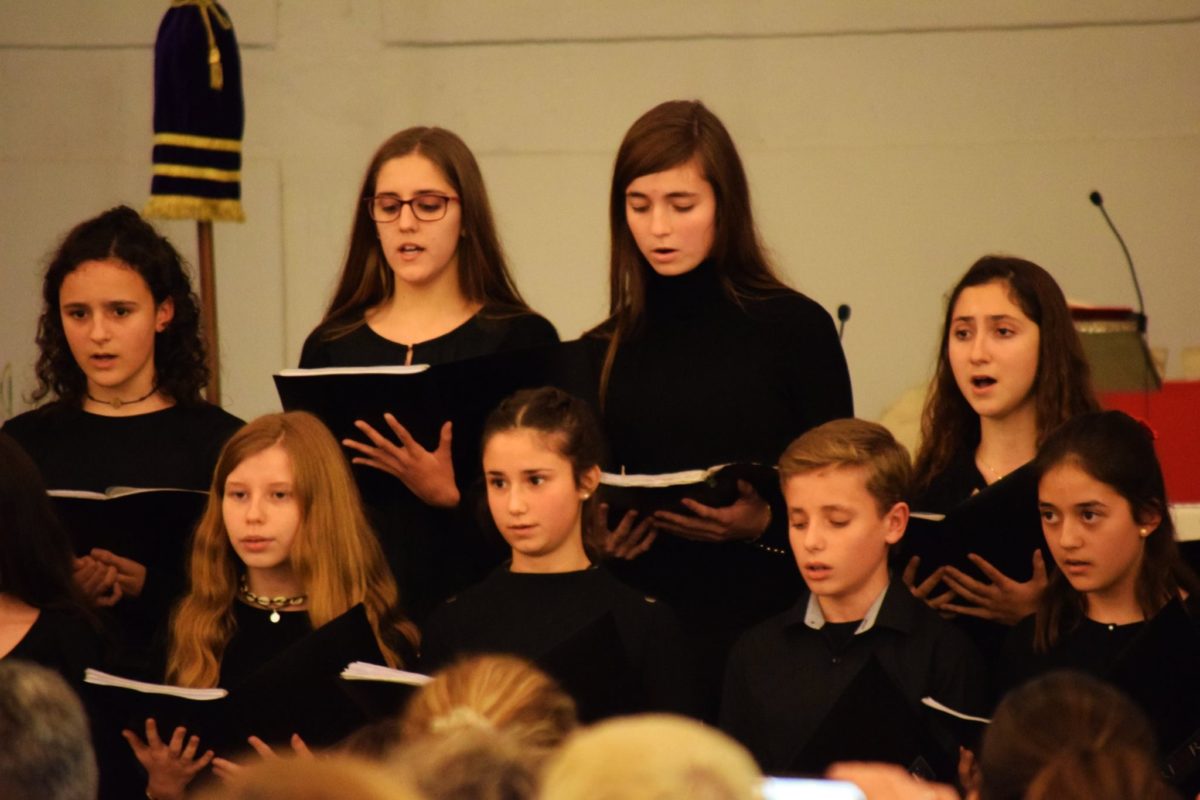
x,y
708,358
283,549
614,649
425,281
1121,603
844,484
44,616
1010,369
120,353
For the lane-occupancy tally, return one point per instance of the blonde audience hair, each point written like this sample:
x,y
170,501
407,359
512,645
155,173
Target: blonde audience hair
x,y
335,554
853,443
651,757
327,778
494,693
474,762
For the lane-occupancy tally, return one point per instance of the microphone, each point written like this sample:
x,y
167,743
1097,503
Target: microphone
x,y
1098,202
843,314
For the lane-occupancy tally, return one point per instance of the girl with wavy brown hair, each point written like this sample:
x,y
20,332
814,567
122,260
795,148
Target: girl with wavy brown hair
x,y
122,362
1010,369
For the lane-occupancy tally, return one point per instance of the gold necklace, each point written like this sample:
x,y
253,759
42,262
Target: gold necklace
x,y
273,603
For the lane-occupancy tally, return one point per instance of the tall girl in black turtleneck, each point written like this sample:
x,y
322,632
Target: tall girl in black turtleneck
x,y
708,358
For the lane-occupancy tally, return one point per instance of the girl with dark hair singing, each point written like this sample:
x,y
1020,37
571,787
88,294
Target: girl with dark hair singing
x,y
708,358
1010,369
425,281
122,356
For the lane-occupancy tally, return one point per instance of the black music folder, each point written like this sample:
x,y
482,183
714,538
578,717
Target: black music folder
x,y
716,487
1001,524
422,397
872,721
297,691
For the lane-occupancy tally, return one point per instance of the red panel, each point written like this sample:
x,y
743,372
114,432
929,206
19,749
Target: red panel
x,y
1174,414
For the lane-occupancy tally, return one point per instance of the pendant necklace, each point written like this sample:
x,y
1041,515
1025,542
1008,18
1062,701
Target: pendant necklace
x,y
273,603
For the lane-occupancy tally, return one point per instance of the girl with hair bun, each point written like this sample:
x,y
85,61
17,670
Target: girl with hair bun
x,y
612,648
424,281
707,358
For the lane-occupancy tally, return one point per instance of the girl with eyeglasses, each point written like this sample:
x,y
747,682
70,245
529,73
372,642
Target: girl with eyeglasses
x,y
425,281
707,358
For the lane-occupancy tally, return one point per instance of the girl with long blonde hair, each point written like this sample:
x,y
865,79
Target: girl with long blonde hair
x,y
284,531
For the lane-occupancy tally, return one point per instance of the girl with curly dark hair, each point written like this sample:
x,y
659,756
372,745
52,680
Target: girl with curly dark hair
x,y
122,362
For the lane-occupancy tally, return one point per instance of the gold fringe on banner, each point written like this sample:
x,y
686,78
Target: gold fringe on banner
x,y
178,206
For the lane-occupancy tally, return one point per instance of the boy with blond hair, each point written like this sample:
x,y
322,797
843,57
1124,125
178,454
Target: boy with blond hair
x,y
813,683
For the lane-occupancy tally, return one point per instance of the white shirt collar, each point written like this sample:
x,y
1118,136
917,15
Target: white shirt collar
x,y
815,618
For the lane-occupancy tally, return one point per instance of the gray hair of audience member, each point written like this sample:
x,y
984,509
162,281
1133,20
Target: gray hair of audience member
x,y
1058,717
45,743
651,757
475,763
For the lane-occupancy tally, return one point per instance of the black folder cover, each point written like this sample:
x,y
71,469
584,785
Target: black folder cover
x,y
151,526
297,691
872,721
714,486
463,392
1001,524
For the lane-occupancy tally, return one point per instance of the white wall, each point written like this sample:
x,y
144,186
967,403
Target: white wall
x,y
890,143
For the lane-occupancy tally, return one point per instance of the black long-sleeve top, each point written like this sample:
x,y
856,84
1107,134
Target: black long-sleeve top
x,y
709,381
786,674
425,546
616,650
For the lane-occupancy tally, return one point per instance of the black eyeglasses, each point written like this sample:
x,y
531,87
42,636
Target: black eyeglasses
x,y
425,207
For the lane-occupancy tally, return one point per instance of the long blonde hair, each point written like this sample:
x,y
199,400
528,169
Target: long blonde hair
x,y
335,554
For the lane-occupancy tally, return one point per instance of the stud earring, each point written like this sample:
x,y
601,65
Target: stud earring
x,y
1144,531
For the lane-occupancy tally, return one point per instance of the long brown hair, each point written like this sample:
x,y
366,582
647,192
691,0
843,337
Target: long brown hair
x,y
366,280
1062,389
666,136
335,555
1052,715
1118,451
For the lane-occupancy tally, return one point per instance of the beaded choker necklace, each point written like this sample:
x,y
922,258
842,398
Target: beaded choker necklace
x,y
117,402
273,603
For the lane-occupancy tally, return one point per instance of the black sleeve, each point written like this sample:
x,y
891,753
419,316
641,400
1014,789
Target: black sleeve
x,y
438,639
314,354
529,330
815,369
668,674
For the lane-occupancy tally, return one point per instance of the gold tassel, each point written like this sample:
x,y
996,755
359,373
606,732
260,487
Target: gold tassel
x,y
216,75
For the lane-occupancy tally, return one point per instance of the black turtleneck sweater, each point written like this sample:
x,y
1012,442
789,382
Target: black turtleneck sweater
x,y
707,381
